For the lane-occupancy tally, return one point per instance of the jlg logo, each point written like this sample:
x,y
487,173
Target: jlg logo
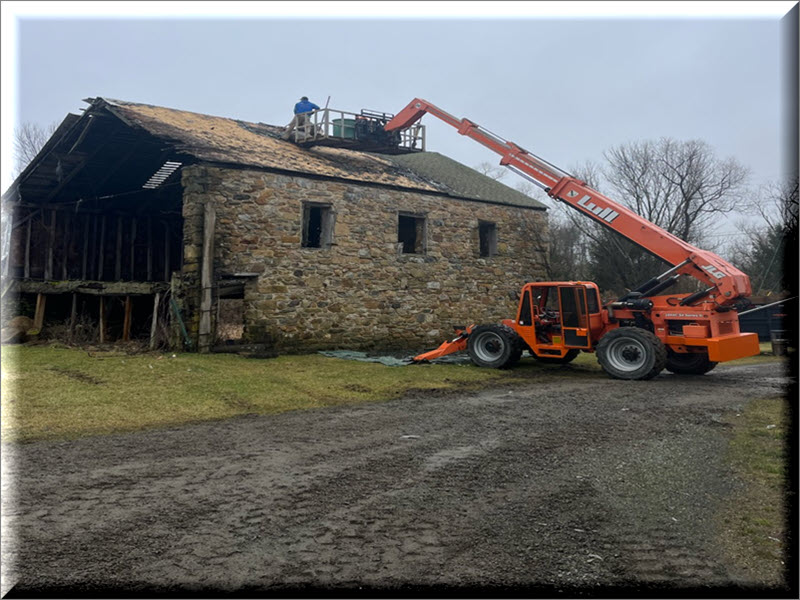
x,y
713,271
606,214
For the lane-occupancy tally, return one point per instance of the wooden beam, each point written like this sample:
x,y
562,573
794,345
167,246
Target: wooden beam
x,y
83,134
133,249
63,183
87,221
73,316
26,218
97,288
126,324
206,278
26,273
102,320
51,238
149,249
66,248
166,251
154,324
83,161
38,317
101,249
118,256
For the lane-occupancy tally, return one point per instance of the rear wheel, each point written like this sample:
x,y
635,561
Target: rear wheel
x,y
631,353
695,363
494,346
555,360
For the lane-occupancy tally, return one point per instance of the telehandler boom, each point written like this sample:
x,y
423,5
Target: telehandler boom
x,y
634,337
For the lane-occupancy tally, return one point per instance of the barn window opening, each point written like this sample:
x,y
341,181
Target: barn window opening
x,y
317,226
411,234
487,232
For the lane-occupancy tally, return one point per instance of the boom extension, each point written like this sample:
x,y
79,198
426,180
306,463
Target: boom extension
x,y
727,283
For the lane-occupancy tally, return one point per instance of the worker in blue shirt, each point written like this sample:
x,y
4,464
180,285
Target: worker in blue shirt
x,y
301,121
304,106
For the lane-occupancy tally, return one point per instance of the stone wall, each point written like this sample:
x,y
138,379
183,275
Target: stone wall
x,y
361,292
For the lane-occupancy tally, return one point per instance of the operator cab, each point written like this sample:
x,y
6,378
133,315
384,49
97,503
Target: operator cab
x,y
556,317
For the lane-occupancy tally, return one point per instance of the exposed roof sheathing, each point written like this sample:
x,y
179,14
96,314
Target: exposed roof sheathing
x,y
225,140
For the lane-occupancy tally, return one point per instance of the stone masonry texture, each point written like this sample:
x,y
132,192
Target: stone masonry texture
x,y
361,292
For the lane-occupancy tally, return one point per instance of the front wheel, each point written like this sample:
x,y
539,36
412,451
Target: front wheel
x,y
631,353
494,346
695,363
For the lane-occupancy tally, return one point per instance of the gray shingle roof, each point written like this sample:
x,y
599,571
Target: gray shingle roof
x,y
459,180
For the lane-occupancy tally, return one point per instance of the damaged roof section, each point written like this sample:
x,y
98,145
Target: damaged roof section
x,y
222,140
117,146
219,139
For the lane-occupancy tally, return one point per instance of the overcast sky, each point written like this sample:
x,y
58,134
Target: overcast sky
x,y
566,89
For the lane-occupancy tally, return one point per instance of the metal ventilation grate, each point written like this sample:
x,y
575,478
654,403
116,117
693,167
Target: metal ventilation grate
x,y
160,176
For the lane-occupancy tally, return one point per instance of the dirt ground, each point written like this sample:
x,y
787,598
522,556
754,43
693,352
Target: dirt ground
x,y
559,484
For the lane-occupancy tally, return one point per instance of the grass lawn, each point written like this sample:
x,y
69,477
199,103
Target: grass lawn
x,y
52,392
753,523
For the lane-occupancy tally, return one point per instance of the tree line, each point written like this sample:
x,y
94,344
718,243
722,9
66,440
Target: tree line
x,y
684,188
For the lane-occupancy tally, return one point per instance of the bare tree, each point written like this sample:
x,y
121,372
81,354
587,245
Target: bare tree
x,y
680,186
767,249
29,138
494,171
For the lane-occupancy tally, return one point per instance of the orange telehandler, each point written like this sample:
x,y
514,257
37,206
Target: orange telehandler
x,y
634,337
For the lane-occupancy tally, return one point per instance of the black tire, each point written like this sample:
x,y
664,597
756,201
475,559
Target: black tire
x,y
688,363
631,353
494,346
554,360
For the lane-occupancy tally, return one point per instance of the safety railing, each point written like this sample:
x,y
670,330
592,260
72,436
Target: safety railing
x,y
358,131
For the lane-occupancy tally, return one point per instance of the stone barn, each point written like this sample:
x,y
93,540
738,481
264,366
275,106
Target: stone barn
x,y
187,230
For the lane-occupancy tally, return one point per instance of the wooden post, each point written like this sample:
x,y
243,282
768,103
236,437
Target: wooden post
x,y
66,246
126,324
118,257
206,278
38,317
102,320
27,269
149,249
51,238
133,249
85,256
73,316
154,324
166,251
101,249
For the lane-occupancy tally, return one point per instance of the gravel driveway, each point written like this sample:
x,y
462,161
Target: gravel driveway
x,y
565,481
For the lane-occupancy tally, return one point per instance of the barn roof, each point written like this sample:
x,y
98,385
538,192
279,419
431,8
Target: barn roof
x,y
187,136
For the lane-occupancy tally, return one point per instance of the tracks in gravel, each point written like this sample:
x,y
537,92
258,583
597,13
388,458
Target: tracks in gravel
x,y
563,482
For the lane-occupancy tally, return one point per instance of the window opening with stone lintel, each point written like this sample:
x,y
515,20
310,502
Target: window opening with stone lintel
x,y
318,223
411,233
487,234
